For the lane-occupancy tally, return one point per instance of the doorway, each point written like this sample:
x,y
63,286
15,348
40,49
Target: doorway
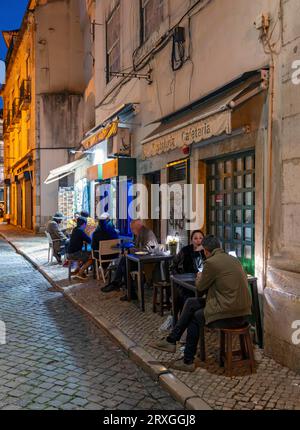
x,y
231,205
28,205
153,224
19,205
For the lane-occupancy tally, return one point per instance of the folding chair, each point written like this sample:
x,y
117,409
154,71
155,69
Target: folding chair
x,y
50,248
106,248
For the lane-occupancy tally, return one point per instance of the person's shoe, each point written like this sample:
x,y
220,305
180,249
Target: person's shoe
x,y
109,288
164,345
81,276
182,366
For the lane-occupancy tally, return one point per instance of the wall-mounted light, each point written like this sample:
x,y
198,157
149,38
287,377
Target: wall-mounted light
x,y
73,151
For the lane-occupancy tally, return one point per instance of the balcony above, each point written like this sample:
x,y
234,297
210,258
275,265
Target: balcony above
x,y
16,111
25,94
7,123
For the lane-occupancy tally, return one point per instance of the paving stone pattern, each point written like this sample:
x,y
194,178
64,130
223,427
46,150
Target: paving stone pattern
x,y
271,387
55,358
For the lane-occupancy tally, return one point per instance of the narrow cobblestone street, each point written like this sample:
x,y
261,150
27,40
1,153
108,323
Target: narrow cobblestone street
x,y
273,386
54,358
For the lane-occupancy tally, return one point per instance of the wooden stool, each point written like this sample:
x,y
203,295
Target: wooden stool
x,y
246,352
164,298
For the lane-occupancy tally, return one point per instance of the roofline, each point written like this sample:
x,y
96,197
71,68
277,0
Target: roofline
x,y
21,31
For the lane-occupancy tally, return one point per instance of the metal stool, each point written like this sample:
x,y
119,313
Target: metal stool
x,y
246,352
164,298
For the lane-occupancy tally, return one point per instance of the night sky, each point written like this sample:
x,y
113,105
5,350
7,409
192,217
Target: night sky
x,y
11,15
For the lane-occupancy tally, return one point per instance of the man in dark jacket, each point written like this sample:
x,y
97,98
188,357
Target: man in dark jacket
x,y
228,303
59,239
75,251
104,231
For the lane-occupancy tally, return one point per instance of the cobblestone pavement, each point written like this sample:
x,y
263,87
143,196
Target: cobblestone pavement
x,y
55,358
271,387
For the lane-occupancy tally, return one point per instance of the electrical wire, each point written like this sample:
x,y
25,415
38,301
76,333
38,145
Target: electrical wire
x,y
160,45
164,40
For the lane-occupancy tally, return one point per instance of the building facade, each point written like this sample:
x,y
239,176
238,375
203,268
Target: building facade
x,y
1,166
43,107
212,102
168,92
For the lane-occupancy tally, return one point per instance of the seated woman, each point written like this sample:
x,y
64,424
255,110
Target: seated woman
x,y
75,251
104,231
189,260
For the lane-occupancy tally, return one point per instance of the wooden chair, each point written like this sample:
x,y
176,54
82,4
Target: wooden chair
x,y
246,352
164,290
106,248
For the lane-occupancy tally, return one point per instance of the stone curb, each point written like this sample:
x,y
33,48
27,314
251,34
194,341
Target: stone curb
x,y
167,380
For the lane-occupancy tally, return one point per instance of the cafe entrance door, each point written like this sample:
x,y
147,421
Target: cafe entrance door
x,y
231,205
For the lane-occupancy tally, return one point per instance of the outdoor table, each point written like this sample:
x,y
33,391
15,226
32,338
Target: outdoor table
x,y
187,280
140,261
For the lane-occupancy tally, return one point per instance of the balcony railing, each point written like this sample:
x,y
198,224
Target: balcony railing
x,y
7,123
16,111
25,94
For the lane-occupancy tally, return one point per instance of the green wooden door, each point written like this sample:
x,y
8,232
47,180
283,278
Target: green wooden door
x,y
231,205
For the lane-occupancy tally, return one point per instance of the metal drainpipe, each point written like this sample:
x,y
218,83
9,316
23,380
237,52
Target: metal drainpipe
x,y
269,174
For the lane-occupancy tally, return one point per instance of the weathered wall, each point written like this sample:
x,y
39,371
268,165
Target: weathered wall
x,y
59,48
87,16
60,129
282,295
224,45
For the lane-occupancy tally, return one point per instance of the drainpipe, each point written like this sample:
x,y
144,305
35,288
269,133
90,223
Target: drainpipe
x,y
267,235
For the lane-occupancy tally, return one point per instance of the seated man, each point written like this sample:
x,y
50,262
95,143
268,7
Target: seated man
x,y
104,231
58,237
228,303
75,252
145,240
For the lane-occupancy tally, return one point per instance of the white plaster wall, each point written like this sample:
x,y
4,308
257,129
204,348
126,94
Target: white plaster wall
x,y
49,193
59,47
218,33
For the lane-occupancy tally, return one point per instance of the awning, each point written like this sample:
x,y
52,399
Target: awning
x,y
109,127
63,171
209,119
100,135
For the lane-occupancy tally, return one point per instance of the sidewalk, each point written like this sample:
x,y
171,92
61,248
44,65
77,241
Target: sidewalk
x,y
271,387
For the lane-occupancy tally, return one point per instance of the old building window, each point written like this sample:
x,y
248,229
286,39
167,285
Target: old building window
x,y
152,14
113,43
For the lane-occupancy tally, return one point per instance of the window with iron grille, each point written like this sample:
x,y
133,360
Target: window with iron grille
x,y
152,14
113,43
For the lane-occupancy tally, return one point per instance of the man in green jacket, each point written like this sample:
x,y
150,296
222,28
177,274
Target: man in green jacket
x,y
227,305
